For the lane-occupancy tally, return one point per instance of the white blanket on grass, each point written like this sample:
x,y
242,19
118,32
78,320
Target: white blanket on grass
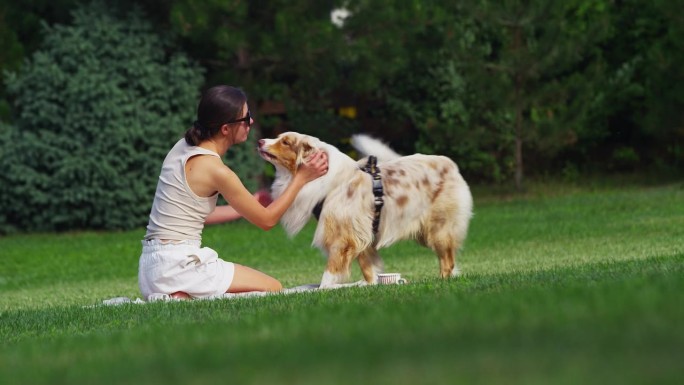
x,y
156,297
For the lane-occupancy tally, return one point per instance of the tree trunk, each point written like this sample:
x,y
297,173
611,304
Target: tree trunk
x,y
519,105
518,147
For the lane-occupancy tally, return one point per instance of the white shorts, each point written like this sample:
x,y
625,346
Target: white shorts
x,y
183,266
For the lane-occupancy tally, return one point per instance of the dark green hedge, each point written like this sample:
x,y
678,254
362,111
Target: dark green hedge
x,y
95,111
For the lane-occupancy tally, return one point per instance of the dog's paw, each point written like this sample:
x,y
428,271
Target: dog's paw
x,y
329,280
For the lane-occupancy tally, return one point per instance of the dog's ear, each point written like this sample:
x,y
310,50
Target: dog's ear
x,y
305,150
308,150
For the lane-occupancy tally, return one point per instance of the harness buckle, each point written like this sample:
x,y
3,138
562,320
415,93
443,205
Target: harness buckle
x,y
377,187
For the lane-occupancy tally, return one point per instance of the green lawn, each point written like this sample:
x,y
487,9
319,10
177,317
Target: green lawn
x,y
578,287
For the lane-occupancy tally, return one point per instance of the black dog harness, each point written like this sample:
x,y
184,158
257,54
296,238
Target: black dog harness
x,y
317,209
371,168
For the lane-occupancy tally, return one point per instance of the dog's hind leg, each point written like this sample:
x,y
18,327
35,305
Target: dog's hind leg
x,y
446,255
446,250
443,235
371,264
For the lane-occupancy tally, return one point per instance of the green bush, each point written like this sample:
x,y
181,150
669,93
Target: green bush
x,y
96,108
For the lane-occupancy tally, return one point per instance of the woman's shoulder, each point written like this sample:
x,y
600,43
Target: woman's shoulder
x,y
208,162
197,150
184,152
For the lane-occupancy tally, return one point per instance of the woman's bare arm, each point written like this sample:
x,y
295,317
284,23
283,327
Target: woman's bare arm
x,y
227,213
244,203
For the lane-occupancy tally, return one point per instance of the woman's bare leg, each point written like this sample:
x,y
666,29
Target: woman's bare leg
x,y
248,279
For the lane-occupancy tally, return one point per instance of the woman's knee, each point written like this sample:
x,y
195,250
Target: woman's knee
x,y
271,284
276,285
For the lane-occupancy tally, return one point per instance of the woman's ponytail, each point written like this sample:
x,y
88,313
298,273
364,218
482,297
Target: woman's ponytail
x,y
194,134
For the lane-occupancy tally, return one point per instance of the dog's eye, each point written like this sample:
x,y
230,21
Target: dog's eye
x,y
286,142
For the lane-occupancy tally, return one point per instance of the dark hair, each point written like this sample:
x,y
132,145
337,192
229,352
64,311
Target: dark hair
x,y
219,104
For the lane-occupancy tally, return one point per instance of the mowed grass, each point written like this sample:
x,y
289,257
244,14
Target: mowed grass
x,y
564,288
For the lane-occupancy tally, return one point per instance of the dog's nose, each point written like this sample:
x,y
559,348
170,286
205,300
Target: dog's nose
x,y
261,142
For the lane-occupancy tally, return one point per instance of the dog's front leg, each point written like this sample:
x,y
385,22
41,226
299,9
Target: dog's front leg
x,y
332,280
332,275
337,270
370,264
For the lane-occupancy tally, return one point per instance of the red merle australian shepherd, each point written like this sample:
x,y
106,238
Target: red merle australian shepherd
x,y
421,197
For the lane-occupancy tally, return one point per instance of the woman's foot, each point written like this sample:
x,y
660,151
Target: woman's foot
x,y
180,295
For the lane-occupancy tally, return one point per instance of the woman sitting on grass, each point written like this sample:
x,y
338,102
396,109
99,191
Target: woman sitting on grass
x,y
192,175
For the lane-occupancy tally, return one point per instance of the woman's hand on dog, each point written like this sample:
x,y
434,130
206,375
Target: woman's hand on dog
x,y
314,167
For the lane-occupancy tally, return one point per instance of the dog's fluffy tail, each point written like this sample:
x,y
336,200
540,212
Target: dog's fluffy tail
x,y
367,146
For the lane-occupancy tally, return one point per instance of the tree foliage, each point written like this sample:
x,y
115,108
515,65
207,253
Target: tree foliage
x,y
500,77
20,33
644,88
97,107
275,49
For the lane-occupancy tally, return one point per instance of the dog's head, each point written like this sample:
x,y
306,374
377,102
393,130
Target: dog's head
x,y
288,150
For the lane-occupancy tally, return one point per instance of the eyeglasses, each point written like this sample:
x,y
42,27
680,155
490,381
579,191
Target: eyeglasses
x,y
247,119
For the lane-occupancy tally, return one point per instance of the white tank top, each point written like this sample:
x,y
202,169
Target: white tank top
x,y
177,212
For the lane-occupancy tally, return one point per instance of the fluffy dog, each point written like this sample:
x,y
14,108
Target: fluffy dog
x,y
425,198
